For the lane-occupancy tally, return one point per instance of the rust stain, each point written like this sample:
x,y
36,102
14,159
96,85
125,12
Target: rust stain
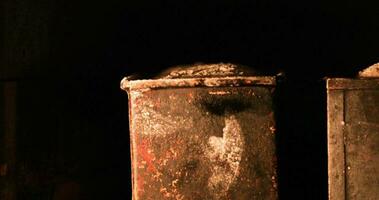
x,y
147,155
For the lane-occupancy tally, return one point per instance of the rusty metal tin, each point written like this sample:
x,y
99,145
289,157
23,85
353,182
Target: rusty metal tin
x,y
203,132
353,136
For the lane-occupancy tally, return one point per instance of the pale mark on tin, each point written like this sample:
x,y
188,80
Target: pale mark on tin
x,y
162,125
225,154
219,92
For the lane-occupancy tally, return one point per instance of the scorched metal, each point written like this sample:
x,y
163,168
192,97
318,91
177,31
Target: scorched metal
x,y
203,132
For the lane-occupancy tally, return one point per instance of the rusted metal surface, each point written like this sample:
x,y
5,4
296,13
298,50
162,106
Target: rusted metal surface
x,y
353,140
202,141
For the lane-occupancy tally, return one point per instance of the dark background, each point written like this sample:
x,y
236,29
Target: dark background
x,y
67,58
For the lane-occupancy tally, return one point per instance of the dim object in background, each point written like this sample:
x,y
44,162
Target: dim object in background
x,y
203,132
353,136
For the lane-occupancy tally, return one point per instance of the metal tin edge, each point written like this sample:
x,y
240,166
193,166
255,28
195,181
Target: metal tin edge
x,y
198,82
351,84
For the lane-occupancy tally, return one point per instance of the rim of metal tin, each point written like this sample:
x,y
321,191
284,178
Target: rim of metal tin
x,y
352,84
236,81
368,78
202,75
